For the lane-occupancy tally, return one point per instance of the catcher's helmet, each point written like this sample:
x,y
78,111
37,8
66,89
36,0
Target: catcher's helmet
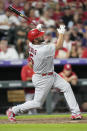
x,y
35,33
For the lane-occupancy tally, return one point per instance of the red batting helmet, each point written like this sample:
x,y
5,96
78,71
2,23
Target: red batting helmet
x,y
35,33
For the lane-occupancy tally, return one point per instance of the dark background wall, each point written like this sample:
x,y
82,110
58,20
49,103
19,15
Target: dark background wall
x,y
13,73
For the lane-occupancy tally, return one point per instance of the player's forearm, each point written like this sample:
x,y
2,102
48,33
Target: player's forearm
x,y
60,41
74,82
61,31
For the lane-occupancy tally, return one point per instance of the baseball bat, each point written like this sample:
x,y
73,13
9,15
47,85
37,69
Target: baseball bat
x,y
20,14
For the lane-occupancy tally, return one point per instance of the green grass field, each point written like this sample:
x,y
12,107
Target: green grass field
x,y
42,127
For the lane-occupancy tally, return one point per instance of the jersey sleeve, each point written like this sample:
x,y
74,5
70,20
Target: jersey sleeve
x,y
48,50
61,74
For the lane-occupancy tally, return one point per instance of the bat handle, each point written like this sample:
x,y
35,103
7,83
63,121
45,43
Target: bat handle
x,y
29,20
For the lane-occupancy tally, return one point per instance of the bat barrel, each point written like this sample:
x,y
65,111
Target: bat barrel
x,y
14,10
18,13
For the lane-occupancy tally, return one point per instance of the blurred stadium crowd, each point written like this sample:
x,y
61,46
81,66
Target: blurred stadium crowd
x,y
50,13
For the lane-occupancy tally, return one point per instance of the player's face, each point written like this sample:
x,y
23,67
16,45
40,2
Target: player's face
x,y
67,72
39,40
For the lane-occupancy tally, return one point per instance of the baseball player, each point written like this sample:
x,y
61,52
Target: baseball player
x,y
42,56
69,75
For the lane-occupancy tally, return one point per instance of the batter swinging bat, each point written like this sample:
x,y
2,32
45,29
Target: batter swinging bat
x,y
20,14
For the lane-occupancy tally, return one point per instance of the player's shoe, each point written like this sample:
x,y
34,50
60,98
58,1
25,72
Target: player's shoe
x,y
11,115
76,117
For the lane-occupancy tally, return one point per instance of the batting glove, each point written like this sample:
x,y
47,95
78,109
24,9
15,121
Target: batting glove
x,y
39,27
61,29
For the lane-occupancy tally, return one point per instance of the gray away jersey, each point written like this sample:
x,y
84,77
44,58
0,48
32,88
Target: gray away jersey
x,y
42,57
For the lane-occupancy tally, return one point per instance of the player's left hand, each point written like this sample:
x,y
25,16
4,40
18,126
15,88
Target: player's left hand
x,y
61,29
39,27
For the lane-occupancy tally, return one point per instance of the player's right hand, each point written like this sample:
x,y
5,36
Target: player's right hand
x,y
61,29
39,27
